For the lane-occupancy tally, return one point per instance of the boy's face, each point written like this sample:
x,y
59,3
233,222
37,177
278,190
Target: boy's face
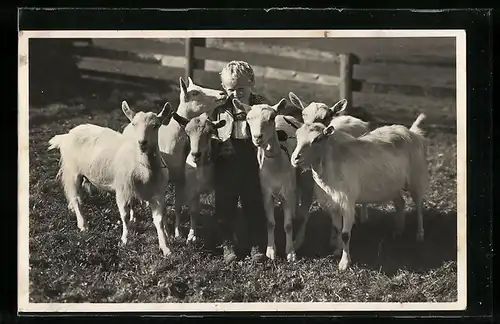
x,y
238,88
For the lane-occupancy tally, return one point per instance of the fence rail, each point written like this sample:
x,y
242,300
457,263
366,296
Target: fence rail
x,y
158,60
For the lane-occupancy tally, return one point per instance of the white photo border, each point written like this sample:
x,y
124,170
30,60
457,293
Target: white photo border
x,y
23,174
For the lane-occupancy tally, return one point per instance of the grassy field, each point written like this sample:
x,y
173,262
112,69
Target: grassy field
x,y
69,266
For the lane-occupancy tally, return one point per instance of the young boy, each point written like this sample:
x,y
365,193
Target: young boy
x,y
236,168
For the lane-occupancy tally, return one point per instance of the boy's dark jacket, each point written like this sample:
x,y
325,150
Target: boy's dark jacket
x,y
227,112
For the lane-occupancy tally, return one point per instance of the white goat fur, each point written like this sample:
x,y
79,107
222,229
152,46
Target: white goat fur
x,y
173,140
199,170
131,167
373,168
277,176
320,112
305,182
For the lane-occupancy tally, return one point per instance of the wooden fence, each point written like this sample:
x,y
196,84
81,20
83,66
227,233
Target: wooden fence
x,y
133,58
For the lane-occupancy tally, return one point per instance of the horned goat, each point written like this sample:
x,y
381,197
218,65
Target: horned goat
x,y
373,168
131,167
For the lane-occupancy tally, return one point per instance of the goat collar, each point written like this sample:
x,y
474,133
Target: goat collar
x,y
163,165
278,153
283,147
181,120
328,118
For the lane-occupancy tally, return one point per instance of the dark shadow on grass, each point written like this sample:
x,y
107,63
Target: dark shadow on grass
x,y
372,244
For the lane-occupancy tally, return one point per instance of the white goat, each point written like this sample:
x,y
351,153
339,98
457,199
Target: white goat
x,y
320,112
286,127
277,176
373,168
199,165
131,167
173,140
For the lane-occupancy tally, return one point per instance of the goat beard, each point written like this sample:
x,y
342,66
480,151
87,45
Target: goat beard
x,y
260,157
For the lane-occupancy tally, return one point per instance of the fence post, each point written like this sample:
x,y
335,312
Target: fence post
x,y
189,58
345,85
199,42
191,62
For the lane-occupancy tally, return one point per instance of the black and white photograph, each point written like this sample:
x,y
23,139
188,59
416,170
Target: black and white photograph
x,y
242,170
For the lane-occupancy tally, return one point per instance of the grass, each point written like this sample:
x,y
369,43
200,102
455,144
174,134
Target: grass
x,y
69,266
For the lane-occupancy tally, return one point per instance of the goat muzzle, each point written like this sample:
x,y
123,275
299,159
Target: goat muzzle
x,y
143,146
196,156
296,160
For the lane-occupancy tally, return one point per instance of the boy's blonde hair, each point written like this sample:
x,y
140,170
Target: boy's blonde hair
x,y
238,69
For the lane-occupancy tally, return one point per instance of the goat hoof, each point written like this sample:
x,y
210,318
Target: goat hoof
x,y
271,253
177,233
420,236
166,251
291,257
191,236
83,228
343,264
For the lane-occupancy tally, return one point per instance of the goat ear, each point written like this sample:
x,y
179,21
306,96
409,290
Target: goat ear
x,y
340,106
219,123
296,101
293,124
282,135
182,86
165,112
127,111
329,130
280,105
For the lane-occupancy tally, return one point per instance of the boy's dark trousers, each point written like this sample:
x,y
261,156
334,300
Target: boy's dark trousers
x,y
237,176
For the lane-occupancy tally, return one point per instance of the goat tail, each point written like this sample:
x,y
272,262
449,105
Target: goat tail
x,y
55,142
415,127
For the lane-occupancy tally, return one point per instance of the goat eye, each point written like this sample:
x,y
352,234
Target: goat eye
x,y
195,93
